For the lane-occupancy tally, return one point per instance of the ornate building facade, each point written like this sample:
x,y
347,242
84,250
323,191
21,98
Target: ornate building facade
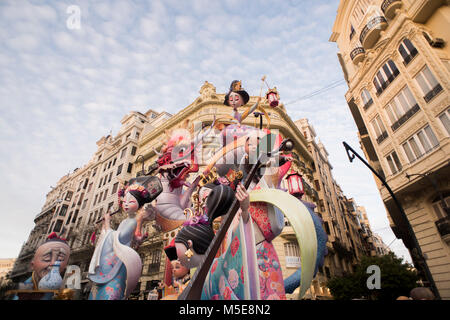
x,y
395,57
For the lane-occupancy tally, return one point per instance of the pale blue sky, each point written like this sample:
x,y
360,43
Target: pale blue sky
x,y
62,89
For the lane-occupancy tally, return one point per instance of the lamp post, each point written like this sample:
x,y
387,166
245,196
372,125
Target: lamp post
x,y
416,250
259,114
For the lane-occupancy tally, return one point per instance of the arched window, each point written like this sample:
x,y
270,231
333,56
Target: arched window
x,y
387,73
407,50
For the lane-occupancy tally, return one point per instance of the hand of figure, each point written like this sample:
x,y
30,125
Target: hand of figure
x,y
244,201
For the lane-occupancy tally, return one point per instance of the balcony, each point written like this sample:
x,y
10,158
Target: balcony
x,y
371,32
405,117
443,226
357,55
433,93
421,10
389,6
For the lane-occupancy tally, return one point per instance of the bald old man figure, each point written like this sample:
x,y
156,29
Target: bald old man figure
x,y
49,261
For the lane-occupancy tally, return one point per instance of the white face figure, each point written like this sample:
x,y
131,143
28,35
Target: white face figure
x,y
235,100
130,204
194,261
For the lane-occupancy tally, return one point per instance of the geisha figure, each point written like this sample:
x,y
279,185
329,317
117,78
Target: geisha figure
x,y
115,267
238,97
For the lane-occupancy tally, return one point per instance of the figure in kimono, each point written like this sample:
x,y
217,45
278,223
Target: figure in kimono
x,y
115,267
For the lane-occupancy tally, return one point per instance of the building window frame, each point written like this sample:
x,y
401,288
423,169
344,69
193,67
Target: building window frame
x,y
428,83
402,107
407,50
419,144
393,162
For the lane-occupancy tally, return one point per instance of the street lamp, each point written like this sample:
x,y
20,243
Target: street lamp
x,y
416,250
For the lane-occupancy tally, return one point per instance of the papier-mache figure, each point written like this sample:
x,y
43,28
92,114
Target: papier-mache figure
x,y
238,97
115,267
49,262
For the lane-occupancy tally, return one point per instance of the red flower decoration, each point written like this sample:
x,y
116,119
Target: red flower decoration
x,y
234,246
227,293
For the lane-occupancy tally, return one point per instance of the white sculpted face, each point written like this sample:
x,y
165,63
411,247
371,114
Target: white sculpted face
x,y
235,100
130,204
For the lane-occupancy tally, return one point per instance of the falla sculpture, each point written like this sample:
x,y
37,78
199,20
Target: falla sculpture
x,y
225,219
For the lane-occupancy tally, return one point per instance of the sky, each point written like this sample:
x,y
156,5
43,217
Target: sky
x,y
70,70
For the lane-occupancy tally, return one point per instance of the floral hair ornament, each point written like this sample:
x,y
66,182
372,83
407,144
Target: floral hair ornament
x,y
54,237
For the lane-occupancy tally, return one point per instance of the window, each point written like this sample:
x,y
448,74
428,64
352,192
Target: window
x,y
68,219
419,144
109,164
100,197
428,83
58,226
110,206
95,199
154,261
100,184
327,227
75,216
352,32
130,166
366,98
379,129
133,151
106,193
114,189
84,204
114,162
119,169
123,153
68,195
128,136
407,50
444,117
137,135
385,76
439,208
109,178
394,162
401,108
292,254
317,184
94,172
90,187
